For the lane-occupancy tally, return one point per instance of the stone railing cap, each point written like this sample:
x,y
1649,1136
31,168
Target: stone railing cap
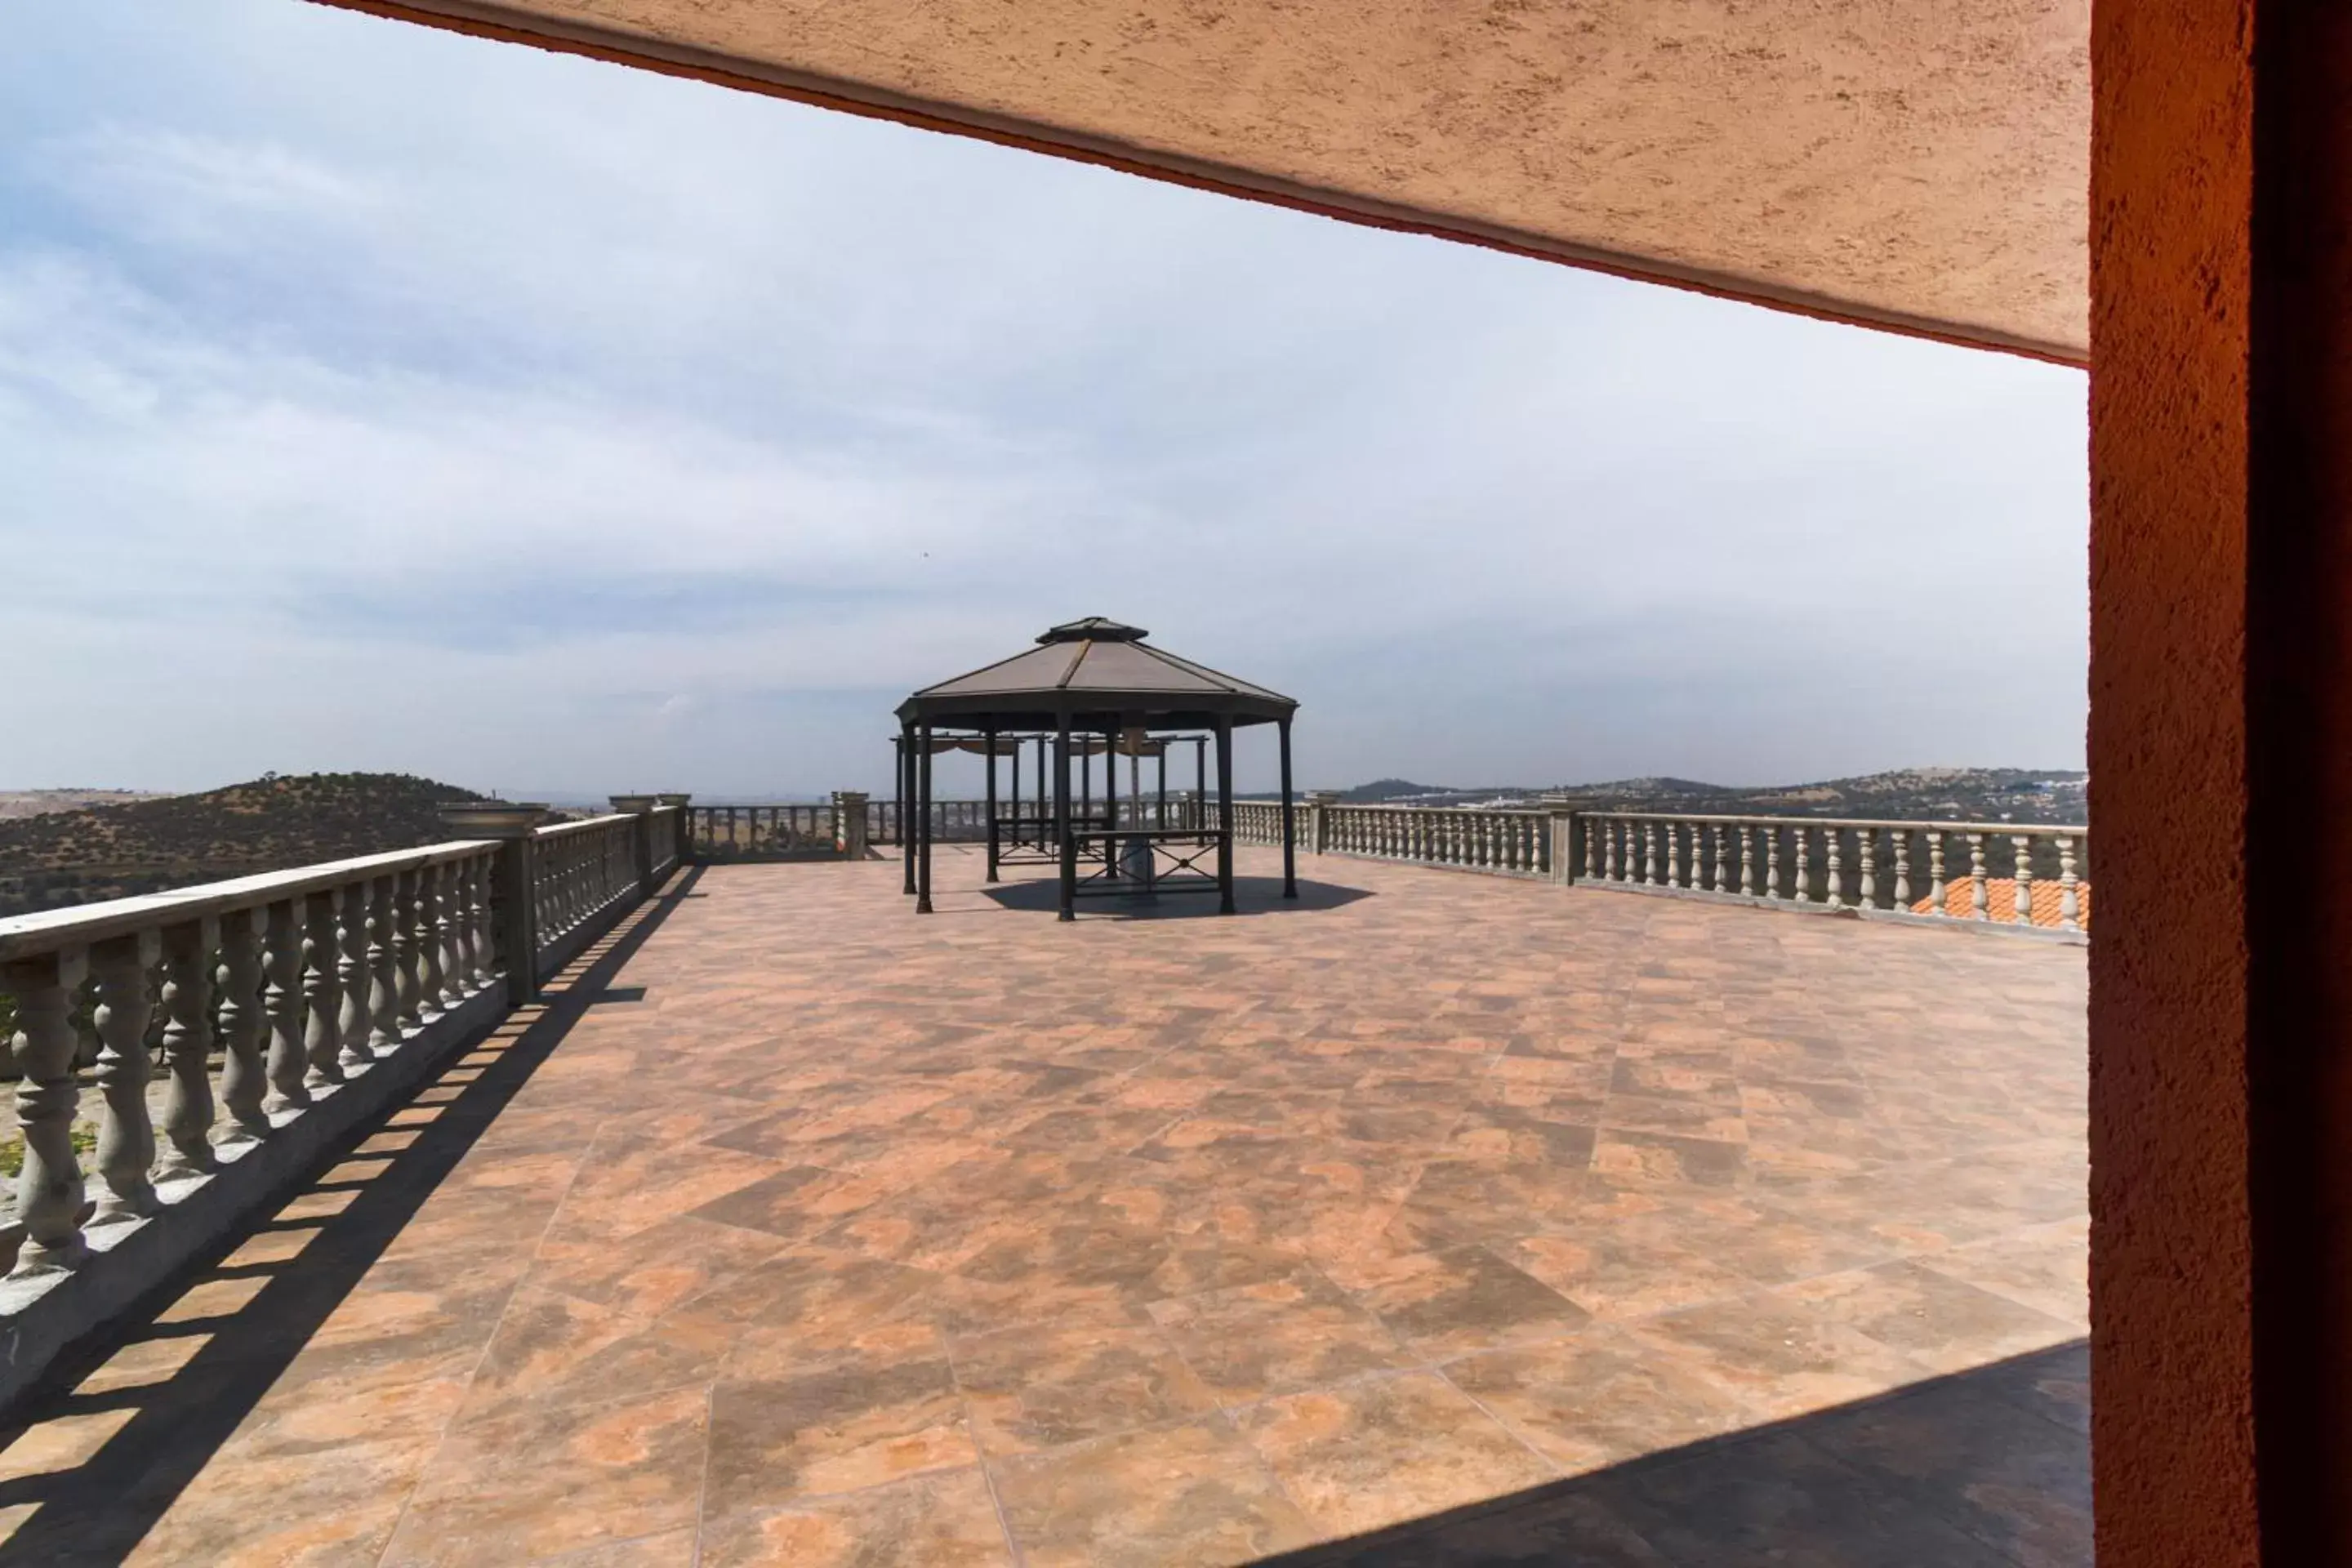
x,y
495,818
631,802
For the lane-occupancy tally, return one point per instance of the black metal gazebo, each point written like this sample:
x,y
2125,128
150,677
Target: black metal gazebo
x,y
1092,687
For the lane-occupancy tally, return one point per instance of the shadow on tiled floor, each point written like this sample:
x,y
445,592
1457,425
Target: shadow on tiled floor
x,y
1980,1469
128,1420
1251,896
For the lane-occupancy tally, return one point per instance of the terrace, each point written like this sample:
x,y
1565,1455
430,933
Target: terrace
x,y
1432,1219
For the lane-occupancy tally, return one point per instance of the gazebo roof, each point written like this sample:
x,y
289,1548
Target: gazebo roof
x,y
1098,671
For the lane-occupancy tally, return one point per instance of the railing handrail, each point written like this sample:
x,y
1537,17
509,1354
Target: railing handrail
x,y
1767,819
46,931
1383,805
586,824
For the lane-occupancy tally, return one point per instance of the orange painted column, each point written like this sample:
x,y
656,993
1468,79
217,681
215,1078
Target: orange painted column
x,y
2221,781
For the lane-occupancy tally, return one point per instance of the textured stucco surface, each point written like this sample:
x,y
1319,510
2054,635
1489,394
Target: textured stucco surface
x,y
1912,163
2221,718
2172,1333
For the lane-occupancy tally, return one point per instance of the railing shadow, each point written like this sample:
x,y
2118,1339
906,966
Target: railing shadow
x,y
1989,1467
101,1494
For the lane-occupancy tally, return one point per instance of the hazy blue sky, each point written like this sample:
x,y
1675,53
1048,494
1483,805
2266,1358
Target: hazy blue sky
x,y
371,397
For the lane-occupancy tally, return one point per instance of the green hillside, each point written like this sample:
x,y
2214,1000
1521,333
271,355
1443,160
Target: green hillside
x,y
66,857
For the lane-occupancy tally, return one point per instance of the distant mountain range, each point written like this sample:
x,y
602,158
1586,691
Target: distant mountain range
x,y
1970,795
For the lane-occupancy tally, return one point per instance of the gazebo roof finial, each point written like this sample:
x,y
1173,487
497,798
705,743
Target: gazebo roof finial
x,y
1094,629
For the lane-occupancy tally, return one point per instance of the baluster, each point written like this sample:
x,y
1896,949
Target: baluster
x,y
1937,894
2070,896
244,1079
49,1183
1714,882
1803,837
1750,855
2020,845
567,878
322,997
1674,833
281,1007
126,1138
187,1041
405,994
1902,869
1771,860
550,884
382,976
1609,827
1979,905
1649,854
449,924
1865,841
1833,880
1592,849
485,943
466,963
352,974
429,942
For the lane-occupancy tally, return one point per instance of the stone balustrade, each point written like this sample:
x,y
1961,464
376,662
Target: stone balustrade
x,y
965,821
278,1011
2025,876
762,832
2020,877
1503,843
584,872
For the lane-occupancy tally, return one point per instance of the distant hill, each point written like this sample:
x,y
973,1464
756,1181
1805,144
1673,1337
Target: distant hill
x,y
64,858
1974,794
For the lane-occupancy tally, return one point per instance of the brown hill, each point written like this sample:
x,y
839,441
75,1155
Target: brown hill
x,y
64,858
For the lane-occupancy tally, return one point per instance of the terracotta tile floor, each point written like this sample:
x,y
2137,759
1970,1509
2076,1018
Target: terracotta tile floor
x,y
798,1230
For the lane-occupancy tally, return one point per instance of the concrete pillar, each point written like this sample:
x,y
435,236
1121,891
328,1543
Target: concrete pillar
x,y
2220,751
1318,820
849,824
684,805
1561,844
641,840
514,924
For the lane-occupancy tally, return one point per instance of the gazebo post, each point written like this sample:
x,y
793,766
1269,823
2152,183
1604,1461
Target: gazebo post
x,y
1160,818
1201,777
1111,801
1016,792
1224,814
1044,810
907,801
1289,819
1085,784
987,741
1068,845
923,813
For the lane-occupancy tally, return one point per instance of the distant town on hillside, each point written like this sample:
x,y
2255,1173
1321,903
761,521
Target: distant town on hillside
x,y
1953,795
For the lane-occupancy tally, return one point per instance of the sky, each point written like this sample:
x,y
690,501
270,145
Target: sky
x,y
376,399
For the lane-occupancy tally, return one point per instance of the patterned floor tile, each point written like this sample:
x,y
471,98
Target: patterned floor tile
x,y
861,1237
